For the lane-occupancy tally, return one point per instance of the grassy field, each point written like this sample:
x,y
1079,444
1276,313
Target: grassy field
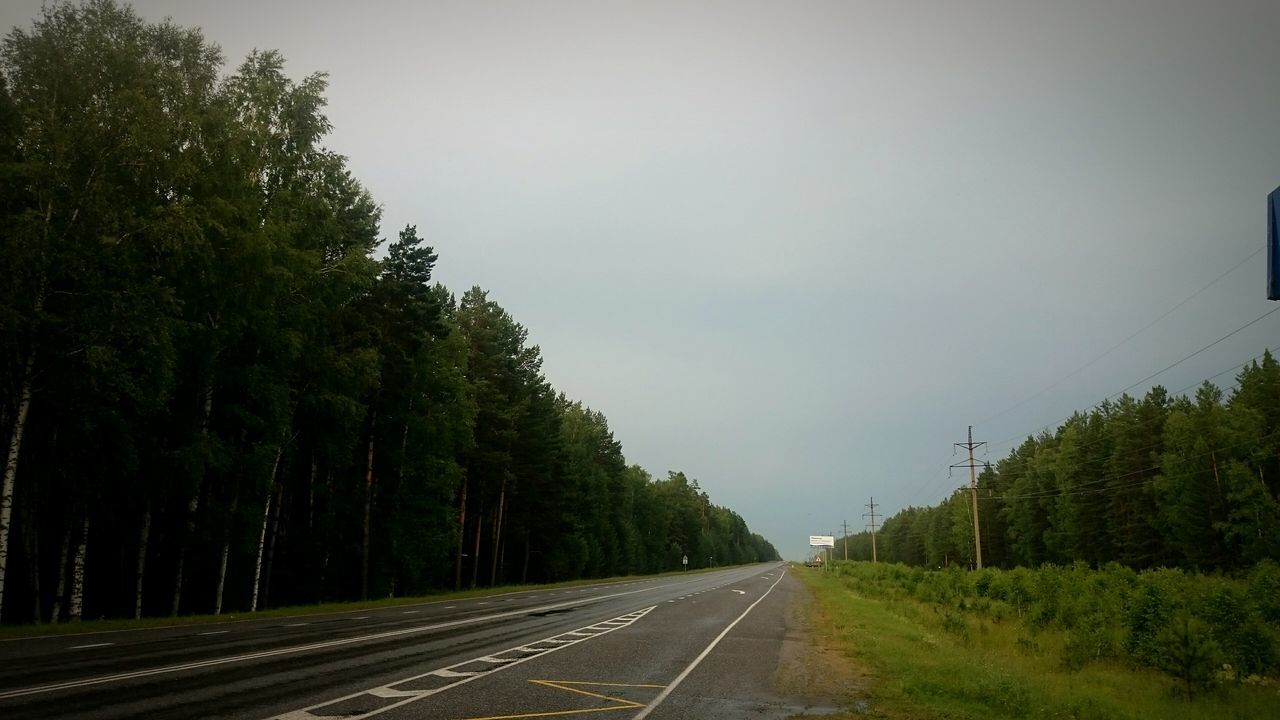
x,y
12,632
927,661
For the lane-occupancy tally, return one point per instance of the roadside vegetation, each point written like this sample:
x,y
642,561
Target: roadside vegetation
x,y
1057,642
224,386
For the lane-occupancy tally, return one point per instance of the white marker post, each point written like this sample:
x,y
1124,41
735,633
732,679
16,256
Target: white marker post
x,y
684,560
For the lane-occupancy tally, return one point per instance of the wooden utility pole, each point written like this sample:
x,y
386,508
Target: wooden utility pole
x,y
871,525
973,494
845,538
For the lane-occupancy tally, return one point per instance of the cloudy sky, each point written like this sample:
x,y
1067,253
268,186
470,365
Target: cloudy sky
x,y
795,248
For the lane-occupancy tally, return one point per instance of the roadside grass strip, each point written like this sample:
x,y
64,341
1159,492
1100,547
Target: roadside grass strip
x,y
374,701
926,663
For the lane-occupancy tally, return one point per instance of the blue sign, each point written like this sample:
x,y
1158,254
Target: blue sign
x,y
1273,245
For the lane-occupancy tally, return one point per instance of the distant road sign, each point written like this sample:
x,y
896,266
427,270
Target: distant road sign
x,y
822,541
684,560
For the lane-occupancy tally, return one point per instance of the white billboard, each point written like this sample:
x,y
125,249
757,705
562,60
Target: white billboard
x,y
822,541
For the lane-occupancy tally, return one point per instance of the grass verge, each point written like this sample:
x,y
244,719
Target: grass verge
x,y
927,663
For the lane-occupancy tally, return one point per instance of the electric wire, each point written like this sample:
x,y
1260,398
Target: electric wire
x,y
1115,347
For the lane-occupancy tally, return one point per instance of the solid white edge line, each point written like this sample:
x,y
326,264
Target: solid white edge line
x,y
703,655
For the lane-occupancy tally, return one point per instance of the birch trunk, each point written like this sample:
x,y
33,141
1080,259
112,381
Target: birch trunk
x,y
77,574
475,559
262,536
144,538
56,614
268,566
462,533
368,510
11,465
222,562
192,507
497,534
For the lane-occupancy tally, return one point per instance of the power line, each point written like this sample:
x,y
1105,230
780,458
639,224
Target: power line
x,y
1171,366
1175,393
1113,348
1188,357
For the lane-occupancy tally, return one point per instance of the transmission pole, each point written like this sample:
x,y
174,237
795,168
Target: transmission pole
x,y
871,524
845,539
973,493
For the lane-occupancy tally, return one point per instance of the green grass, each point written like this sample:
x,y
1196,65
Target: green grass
x,y
931,663
84,627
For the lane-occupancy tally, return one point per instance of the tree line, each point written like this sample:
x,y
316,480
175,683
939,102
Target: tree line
x,y
220,394
1161,481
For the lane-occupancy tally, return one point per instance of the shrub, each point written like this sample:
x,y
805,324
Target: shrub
x,y
1186,651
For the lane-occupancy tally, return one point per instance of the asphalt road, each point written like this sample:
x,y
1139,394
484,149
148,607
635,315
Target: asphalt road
x,y
701,646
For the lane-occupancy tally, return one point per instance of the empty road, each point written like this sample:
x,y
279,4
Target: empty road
x,y
704,645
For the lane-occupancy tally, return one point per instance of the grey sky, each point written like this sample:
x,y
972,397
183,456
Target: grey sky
x,y
793,249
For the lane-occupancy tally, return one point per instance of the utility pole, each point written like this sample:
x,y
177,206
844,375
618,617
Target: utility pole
x,y
845,538
973,493
871,525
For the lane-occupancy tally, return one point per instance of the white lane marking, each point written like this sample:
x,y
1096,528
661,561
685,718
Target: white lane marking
x,y
741,592
702,656
362,617
297,624
389,693
446,673
409,696
215,632
410,612
85,682
90,645
450,607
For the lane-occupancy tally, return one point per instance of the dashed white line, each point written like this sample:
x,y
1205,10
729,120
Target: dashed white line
x,y
410,612
214,632
90,645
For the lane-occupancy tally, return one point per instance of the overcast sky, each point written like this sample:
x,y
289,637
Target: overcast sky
x,y
794,248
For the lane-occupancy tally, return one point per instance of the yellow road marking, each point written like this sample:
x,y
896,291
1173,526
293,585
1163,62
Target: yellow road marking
x,y
569,686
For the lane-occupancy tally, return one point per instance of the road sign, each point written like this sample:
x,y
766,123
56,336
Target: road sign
x,y
822,541
685,561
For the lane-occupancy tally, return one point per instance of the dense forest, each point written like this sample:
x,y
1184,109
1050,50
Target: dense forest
x,y
1187,482
220,391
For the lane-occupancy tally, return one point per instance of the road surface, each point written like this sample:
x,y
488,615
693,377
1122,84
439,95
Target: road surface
x,y
703,645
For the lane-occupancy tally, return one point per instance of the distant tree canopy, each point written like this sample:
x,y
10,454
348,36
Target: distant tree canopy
x,y
215,394
1190,482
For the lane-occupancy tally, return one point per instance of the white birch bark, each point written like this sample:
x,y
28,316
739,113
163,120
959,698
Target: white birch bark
x,y
11,468
143,538
222,564
262,536
77,574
